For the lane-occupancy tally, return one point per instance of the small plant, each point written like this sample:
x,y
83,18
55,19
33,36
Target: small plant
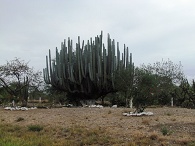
x,y
109,112
19,119
165,131
35,128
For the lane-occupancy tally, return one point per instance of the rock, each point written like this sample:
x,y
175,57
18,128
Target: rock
x,y
114,106
138,114
96,106
7,108
19,108
24,108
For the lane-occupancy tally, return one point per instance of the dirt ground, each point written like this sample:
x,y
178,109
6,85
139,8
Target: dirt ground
x,y
179,122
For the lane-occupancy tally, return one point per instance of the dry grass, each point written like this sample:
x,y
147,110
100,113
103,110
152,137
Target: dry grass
x,y
32,135
146,121
154,136
94,126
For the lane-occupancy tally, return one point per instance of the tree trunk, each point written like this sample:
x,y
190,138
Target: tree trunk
x,y
172,101
131,103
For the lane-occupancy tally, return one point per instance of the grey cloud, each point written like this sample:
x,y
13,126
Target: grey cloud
x,y
151,29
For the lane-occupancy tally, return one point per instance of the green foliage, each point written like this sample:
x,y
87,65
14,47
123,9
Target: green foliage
x,y
117,98
168,72
124,79
165,131
144,89
1,99
156,84
186,94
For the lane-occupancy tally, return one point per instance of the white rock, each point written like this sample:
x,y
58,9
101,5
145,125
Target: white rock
x,y
7,108
99,106
24,108
114,106
138,114
33,108
96,106
125,114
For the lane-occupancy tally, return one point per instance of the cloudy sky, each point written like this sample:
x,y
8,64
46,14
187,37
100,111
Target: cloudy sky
x,y
152,29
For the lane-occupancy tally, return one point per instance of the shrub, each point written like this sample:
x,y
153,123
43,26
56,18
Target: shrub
x,y
188,104
19,119
165,130
154,136
35,128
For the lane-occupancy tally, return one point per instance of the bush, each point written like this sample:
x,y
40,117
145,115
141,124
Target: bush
x,y
165,131
35,128
19,119
188,104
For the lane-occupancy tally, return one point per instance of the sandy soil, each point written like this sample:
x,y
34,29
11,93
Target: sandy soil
x,y
179,121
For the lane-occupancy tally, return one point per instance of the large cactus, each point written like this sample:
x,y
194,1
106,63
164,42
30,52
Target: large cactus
x,y
87,72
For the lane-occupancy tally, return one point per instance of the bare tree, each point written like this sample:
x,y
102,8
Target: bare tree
x,y
16,77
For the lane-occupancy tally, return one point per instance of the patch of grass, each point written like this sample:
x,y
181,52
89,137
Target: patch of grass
x,y
165,131
14,135
82,136
19,119
192,143
139,139
35,128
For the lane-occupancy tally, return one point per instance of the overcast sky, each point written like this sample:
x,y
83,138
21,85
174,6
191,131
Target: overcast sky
x,y
152,29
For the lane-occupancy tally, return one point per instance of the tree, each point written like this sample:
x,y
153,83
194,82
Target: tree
x,y
16,77
168,74
168,71
124,81
144,88
186,96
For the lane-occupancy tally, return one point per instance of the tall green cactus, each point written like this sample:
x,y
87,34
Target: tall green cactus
x,y
89,70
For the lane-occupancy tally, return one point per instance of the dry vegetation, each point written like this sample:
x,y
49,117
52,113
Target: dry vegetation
x,y
94,126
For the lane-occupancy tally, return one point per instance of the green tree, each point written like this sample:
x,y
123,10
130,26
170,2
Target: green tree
x,y
186,94
168,71
168,75
145,87
124,80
